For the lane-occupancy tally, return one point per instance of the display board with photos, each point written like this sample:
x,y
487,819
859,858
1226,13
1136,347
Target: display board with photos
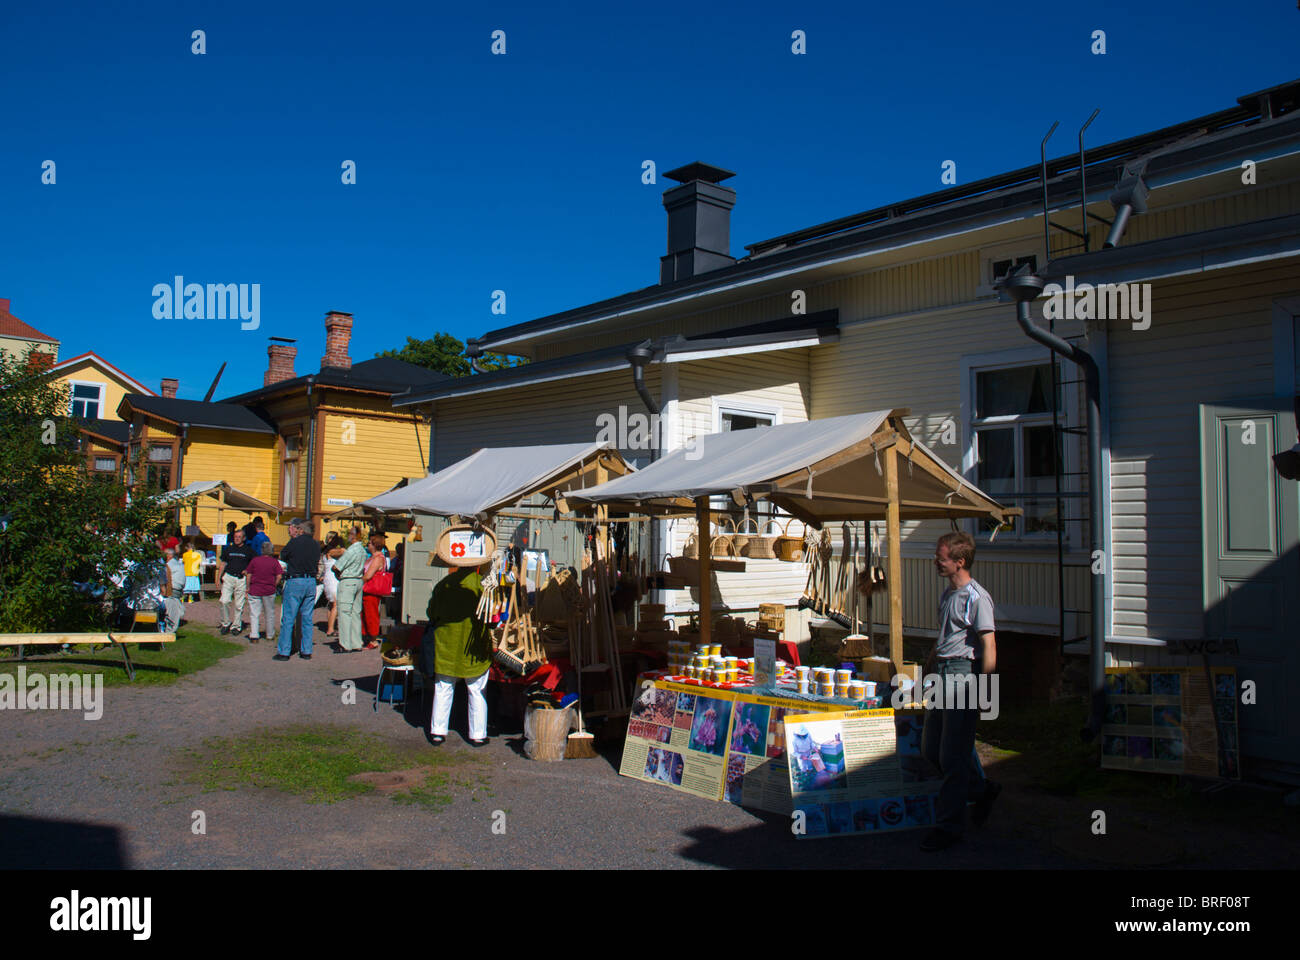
x,y
1172,720
860,772
711,743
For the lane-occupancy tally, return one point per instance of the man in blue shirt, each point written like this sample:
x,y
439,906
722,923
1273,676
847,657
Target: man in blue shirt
x,y
966,647
258,537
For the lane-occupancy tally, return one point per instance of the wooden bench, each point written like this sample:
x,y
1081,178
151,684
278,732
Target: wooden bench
x,y
119,640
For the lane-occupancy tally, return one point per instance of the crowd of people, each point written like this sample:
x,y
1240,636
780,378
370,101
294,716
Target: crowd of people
x,y
355,576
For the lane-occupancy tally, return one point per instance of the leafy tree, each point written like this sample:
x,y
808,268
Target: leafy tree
x,y
59,523
445,354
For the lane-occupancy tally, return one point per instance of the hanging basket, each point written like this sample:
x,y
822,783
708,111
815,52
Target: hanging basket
x,y
739,540
723,547
759,547
786,547
691,549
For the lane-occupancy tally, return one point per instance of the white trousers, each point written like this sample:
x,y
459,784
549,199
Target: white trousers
x,y
444,692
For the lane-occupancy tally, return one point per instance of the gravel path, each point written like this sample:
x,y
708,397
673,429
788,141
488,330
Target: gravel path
x,y
108,793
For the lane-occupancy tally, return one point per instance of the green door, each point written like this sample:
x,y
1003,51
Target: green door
x,y
1251,542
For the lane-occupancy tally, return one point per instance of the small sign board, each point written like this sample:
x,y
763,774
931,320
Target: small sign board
x,y
463,546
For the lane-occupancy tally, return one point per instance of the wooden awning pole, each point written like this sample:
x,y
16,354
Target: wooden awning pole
x,y
221,509
703,518
893,539
602,511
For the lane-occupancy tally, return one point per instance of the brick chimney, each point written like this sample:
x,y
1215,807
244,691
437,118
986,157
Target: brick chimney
x,y
281,352
338,335
169,385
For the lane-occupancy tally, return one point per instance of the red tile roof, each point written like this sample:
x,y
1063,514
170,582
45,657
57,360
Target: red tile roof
x,y
11,326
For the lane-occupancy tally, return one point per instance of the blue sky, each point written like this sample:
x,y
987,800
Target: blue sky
x,y
519,172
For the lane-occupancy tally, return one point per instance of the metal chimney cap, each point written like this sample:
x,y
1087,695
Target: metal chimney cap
x,y
699,171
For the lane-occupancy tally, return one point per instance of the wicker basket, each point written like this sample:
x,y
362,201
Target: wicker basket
x,y
691,548
739,540
786,547
759,546
723,546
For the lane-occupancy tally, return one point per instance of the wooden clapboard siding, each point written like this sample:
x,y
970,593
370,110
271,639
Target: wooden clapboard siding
x,y
382,452
237,457
562,411
1210,339
778,379
916,362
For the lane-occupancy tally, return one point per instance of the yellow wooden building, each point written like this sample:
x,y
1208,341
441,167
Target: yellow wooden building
x,y
96,386
309,445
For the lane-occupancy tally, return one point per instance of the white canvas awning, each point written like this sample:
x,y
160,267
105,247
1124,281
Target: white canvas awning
x,y
495,478
821,470
222,492
860,467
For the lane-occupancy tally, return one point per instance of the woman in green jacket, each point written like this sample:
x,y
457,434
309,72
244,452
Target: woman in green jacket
x,y
457,646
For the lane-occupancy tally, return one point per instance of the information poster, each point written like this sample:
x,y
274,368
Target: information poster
x,y
859,771
1171,720
716,744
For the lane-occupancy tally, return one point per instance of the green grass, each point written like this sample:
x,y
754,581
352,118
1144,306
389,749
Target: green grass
x,y
315,763
195,648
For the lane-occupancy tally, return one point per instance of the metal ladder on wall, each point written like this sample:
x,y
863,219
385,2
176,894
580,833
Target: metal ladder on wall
x,y
1081,240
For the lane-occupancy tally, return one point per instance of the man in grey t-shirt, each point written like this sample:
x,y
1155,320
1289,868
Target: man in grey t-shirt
x,y
967,645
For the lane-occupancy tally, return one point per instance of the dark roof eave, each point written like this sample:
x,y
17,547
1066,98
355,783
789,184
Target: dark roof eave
x,y
824,328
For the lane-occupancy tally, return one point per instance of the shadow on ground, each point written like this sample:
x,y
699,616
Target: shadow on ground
x,y
30,843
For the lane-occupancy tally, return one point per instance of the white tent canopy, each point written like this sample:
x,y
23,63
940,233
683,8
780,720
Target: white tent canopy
x,y
495,478
821,470
221,491
860,467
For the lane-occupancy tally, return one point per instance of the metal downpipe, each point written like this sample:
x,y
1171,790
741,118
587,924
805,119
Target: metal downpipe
x,y
1025,288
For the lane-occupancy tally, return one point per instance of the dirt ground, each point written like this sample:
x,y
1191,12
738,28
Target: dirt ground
x,y
108,793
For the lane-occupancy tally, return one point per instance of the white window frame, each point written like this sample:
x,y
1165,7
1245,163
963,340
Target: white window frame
x,y
99,404
973,364
1025,247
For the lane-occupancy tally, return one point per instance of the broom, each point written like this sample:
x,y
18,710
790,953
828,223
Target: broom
x,y
580,745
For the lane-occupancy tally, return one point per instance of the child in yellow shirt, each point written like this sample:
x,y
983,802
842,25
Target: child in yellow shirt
x,y
193,561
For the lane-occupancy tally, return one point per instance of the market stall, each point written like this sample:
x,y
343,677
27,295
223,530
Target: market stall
x,y
550,575
758,732
860,467
224,494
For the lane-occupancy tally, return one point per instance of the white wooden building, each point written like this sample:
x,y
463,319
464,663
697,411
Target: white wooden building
x,y
1200,538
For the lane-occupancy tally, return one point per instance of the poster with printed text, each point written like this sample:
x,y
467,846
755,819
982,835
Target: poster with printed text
x,y
1171,720
859,771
